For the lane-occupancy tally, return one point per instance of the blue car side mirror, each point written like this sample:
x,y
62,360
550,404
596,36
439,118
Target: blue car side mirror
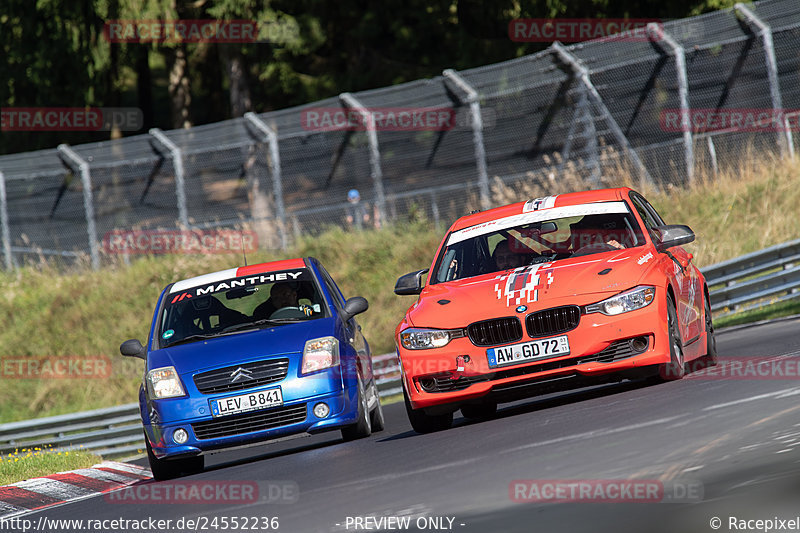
x,y
354,306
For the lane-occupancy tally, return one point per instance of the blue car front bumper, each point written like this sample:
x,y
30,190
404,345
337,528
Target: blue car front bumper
x,y
192,413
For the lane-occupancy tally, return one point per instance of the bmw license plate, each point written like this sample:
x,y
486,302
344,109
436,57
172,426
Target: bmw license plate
x,y
528,351
247,402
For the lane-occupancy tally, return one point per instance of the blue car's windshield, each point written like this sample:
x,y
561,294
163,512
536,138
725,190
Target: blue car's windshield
x,y
239,304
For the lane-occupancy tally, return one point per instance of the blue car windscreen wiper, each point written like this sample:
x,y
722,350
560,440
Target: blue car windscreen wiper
x,y
191,338
261,322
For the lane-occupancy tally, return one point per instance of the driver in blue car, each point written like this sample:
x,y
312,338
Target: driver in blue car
x,y
281,295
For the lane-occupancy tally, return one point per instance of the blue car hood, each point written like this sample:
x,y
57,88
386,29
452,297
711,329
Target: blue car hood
x,y
288,339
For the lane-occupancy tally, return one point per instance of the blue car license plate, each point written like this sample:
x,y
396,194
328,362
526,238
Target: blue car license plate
x,y
247,402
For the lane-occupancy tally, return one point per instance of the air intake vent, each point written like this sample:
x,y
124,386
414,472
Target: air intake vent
x,y
495,331
245,376
553,321
250,422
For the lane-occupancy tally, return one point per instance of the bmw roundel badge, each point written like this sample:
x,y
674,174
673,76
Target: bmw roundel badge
x,y
522,308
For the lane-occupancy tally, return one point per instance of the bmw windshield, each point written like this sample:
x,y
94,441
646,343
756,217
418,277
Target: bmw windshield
x,y
537,237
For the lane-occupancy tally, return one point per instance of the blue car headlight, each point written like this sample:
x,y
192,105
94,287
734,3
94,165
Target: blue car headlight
x,y
164,383
631,300
319,354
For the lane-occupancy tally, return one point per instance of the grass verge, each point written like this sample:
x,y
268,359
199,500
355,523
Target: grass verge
x,y
29,463
768,312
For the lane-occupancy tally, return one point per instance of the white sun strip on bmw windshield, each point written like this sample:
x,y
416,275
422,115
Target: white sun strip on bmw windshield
x,y
205,279
602,208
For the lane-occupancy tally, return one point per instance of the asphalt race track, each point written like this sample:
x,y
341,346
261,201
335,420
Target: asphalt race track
x,y
724,446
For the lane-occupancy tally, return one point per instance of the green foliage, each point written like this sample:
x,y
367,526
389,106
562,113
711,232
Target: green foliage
x,y
55,53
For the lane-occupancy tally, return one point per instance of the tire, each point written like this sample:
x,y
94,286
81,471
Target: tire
x,y
164,469
363,427
480,411
710,359
376,416
425,423
676,368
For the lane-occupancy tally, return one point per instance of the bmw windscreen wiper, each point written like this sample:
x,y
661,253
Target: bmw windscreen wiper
x,y
261,322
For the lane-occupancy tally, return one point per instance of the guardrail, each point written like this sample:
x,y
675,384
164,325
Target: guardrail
x,y
109,432
116,432
753,280
387,374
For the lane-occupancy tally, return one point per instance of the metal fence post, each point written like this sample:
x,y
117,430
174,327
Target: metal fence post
x,y
582,116
177,165
583,75
788,129
374,151
88,202
658,35
765,32
6,232
271,137
712,151
477,133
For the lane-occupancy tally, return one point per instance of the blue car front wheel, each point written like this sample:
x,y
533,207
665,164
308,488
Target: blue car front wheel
x,y
363,427
164,469
376,416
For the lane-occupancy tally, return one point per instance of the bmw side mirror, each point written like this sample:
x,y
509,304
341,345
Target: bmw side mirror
x,y
673,235
132,348
410,283
354,306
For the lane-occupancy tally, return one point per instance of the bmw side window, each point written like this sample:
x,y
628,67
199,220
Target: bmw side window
x,y
448,266
649,221
652,210
647,217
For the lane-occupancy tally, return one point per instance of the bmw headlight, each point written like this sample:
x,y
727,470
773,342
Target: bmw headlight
x,y
425,339
164,383
631,300
319,354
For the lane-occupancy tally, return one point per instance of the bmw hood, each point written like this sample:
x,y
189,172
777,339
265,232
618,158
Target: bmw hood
x,y
579,280
242,347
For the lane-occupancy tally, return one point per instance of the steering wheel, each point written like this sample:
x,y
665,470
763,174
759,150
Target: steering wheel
x,y
288,312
